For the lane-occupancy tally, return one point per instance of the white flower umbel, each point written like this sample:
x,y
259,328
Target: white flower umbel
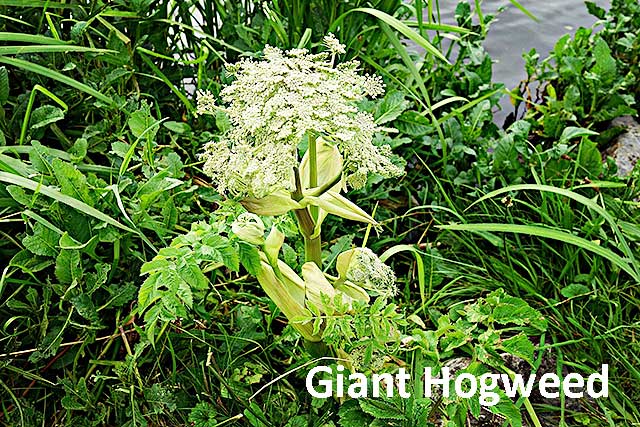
x,y
274,102
333,44
363,267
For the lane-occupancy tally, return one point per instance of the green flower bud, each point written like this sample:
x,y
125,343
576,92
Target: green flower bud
x,y
249,227
274,242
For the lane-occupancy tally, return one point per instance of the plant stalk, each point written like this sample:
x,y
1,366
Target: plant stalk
x,y
313,171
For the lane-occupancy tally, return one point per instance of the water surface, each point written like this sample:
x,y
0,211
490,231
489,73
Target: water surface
x,y
513,33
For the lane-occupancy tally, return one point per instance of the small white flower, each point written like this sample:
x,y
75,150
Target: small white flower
x,y
205,103
373,86
507,201
333,44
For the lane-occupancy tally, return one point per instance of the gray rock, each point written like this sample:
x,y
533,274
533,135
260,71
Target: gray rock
x,y
519,366
626,148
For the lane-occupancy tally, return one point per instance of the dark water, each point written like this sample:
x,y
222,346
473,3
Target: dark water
x,y
512,33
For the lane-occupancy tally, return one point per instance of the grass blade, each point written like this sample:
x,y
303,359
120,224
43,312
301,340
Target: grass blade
x,y
407,32
69,201
524,10
44,71
549,233
29,38
572,195
401,27
17,50
419,264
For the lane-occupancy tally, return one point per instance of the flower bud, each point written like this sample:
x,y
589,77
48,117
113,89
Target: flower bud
x,y
274,242
288,295
317,285
249,228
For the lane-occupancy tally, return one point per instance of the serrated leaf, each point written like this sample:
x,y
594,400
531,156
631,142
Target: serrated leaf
x,y
72,182
44,241
68,266
382,409
508,309
390,108
121,294
191,273
352,416
141,120
519,346
79,150
85,307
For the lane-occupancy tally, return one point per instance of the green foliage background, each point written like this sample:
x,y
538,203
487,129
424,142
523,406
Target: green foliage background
x,y
99,172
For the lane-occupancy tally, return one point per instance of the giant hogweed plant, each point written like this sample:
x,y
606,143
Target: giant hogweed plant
x,y
297,141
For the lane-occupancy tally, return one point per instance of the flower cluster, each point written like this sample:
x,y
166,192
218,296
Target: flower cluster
x,y
275,102
206,103
333,44
368,271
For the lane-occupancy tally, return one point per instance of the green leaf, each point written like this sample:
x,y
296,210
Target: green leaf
x,y
4,86
72,182
390,108
77,395
590,159
177,127
571,132
385,409
85,308
121,294
223,123
79,150
191,273
605,66
573,290
249,258
351,415
139,121
595,10
44,241
68,266
45,115
519,346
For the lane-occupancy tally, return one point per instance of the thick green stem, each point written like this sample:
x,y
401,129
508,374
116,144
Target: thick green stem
x,y
313,246
307,217
313,172
313,250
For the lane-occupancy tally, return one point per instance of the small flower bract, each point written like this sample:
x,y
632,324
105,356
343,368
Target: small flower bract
x,y
274,103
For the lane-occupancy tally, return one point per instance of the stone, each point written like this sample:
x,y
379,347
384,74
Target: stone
x,y
626,147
